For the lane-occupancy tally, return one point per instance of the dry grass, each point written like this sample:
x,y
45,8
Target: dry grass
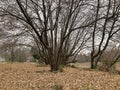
x,y
118,66
87,65
26,76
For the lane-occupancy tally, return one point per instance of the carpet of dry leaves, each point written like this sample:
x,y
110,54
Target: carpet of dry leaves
x,y
26,76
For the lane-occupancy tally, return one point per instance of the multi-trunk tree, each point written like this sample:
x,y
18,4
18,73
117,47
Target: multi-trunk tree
x,y
57,26
106,26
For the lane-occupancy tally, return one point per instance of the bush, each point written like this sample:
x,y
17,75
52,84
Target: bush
x,y
36,55
17,55
57,87
105,65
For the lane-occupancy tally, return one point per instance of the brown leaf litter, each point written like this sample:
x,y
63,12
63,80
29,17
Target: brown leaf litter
x,y
26,76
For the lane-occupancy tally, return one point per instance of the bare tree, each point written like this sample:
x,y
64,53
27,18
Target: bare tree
x,y
104,30
59,27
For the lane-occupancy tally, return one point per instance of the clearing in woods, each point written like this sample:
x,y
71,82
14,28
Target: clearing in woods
x,y
27,76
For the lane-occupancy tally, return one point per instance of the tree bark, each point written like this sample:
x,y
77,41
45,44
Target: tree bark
x,y
54,67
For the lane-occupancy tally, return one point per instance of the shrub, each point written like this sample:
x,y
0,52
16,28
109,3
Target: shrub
x,y
105,65
16,55
57,87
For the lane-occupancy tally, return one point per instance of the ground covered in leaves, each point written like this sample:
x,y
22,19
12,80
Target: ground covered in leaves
x,y
27,76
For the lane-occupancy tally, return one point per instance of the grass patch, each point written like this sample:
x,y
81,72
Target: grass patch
x,y
57,87
41,65
88,87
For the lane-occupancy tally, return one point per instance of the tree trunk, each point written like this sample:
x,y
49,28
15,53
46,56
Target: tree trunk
x,y
93,65
54,67
54,64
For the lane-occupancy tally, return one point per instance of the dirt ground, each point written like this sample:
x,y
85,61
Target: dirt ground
x,y
27,76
